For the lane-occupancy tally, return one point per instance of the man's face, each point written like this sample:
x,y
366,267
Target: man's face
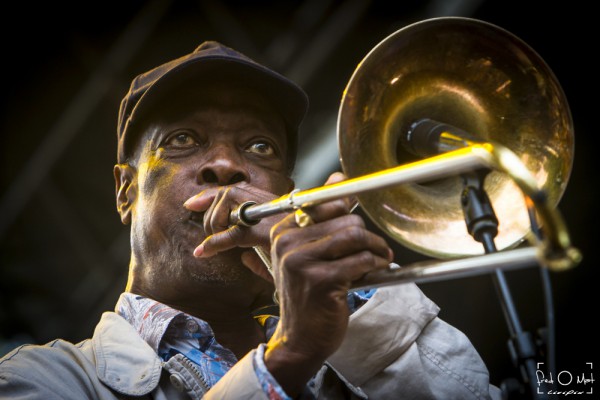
x,y
229,136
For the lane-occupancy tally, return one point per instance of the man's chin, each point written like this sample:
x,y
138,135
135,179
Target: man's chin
x,y
224,268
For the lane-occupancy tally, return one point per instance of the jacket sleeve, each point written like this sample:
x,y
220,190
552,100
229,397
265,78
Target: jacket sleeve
x,y
396,346
45,372
239,383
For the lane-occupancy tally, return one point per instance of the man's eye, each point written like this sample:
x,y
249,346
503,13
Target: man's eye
x,y
263,148
181,140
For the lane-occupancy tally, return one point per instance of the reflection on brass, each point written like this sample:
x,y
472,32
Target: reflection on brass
x,y
472,75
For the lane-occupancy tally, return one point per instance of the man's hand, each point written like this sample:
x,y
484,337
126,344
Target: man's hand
x,y
314,269
217,203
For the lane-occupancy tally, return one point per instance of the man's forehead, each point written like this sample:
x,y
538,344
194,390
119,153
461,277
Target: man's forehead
x,y
215,118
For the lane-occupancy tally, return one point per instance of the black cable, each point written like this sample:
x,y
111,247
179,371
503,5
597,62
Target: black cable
x,y
548,301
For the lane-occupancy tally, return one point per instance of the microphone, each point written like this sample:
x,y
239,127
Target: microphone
x,y
428,137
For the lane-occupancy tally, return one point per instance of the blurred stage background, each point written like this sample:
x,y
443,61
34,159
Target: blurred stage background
x,y
63,251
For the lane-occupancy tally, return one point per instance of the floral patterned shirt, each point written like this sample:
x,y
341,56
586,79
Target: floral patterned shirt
x,y
170,332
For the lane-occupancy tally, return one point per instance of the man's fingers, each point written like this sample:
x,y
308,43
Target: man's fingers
x,y
319,214
335,178
355,266
335,239
219,242
355,239
333,208
323,272
349,231
216,221
202,201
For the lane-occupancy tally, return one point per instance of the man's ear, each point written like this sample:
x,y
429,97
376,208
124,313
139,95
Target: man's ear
x,y
126,190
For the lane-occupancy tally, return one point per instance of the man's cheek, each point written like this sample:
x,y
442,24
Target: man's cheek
x,y
157,176
281,185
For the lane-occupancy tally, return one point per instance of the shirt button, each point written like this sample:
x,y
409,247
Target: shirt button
x,y
177,382
192,326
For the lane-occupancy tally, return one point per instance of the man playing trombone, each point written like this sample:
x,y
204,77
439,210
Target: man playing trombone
x,y
199,136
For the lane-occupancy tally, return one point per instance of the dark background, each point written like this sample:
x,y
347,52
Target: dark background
x,y
63,251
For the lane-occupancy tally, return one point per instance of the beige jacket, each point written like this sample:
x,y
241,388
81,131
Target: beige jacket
x,y
395,348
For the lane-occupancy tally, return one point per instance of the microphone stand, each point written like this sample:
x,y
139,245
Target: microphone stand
x,y
482,224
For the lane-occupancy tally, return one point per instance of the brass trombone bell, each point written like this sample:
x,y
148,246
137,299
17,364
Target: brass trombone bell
x,y
509,115
479,78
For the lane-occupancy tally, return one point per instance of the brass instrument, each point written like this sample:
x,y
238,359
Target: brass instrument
x,y
484,80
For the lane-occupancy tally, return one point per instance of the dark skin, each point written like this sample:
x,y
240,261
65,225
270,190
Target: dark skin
x,y
190,172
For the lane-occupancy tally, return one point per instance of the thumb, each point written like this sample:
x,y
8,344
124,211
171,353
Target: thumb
x,y
335,178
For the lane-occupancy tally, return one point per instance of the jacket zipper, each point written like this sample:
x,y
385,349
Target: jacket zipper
x,y
191,366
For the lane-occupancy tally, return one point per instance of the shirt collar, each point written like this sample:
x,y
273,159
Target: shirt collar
x,y
151,319
148,317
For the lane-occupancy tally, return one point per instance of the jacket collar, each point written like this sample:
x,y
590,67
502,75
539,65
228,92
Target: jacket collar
x,y
124,361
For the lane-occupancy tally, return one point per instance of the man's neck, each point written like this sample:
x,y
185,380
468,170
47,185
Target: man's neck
x,y
240,338
235,328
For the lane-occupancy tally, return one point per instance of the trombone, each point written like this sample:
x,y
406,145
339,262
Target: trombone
x,y
484,80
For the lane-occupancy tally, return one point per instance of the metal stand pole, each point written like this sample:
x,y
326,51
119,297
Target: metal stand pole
x,y
482,224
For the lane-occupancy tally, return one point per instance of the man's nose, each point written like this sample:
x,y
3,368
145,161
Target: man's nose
x,y
223,166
